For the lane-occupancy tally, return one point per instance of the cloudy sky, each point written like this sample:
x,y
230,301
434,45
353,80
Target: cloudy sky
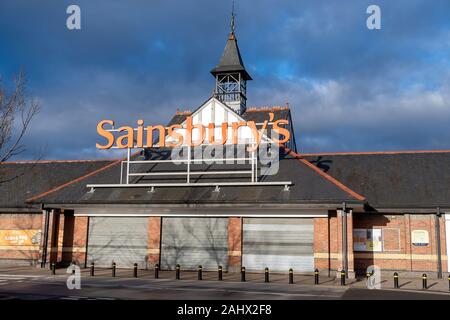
x,y
349,88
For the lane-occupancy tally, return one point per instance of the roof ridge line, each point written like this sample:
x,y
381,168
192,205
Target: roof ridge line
x,y
325,175
62,186
266,108
375,152
58,161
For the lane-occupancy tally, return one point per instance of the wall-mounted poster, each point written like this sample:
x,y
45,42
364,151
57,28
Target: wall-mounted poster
x,y
367,240
20,237
359,239
420,238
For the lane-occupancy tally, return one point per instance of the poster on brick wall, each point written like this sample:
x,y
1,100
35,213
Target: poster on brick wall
x,y
420,238
367,240
359,239
20,237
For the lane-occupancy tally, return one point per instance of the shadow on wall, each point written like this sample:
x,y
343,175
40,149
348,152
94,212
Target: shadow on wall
x,y
120,239
366,257
24,256
191,242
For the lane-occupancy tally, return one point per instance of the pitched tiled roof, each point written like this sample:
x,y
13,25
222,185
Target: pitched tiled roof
x,y
410,179
261,114
309,186
257,114
231,60
24,179
419,179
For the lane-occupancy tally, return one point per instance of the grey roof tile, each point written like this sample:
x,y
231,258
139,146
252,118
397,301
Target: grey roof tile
x,y
231,60
22,180
393,180
309,187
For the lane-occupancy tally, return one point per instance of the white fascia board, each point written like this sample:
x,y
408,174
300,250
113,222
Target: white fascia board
x,y
178,212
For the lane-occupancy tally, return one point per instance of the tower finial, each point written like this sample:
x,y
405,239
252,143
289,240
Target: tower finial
x,y
230,74
233,16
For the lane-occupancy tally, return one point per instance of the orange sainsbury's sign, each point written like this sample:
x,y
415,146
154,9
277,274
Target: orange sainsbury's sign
x,y
19,237
143,136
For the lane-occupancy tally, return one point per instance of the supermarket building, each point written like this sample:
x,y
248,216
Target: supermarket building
x,y
327,211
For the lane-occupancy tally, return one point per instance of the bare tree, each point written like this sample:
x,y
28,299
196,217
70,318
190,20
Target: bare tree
x,y
16,113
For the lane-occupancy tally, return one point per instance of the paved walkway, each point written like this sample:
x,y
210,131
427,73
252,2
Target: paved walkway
x,y
125,276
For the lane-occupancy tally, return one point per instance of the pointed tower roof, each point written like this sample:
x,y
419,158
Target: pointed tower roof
x,y
231,60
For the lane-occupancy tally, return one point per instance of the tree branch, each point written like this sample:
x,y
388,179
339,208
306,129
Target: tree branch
x,y
12,106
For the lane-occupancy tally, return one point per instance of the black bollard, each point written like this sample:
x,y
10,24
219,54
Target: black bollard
x,y
424,281
220,273
199,273
135,270
266,275
177,272
113,269
342,277
449,282
53,268
156,271
396,286
243,274
291,276
92,269
316,276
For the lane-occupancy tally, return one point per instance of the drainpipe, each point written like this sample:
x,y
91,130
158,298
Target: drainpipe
x,y
438,242
344,239
45,242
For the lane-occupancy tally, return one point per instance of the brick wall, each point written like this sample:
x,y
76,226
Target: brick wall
x,y
154,241
325,243
328,242
71,235
234,243
398,252
19,254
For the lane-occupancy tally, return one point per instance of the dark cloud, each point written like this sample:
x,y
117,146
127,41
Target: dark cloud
x,y
349,88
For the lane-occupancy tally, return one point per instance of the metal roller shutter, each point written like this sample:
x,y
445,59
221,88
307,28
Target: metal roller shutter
x,y
194,241
122,240
279,244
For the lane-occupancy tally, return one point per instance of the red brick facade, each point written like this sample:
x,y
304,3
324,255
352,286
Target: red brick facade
x,y
68,238
75,239
234,243
21,254
398,251
328,242
154,241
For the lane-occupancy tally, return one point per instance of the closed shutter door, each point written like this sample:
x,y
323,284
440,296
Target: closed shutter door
x,y
122,240
279,244
191,242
